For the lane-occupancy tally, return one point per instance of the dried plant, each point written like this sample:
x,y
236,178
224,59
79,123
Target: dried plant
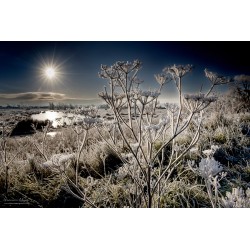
x,y
144,131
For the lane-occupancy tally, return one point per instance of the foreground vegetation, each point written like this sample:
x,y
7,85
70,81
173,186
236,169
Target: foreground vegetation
x,y
139,153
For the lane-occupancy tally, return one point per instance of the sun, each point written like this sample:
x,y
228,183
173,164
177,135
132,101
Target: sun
x,y
50,73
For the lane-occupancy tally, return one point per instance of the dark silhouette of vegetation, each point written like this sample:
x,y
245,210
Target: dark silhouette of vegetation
x,y
28,126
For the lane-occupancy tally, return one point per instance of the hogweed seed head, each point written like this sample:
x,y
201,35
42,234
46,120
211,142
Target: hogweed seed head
x,y
217,79
194,97
147,93
162,78
178,70
88,122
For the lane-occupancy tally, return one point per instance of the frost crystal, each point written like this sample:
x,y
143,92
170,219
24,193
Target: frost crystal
x,y
164,121
172,107
237,199
134,146
209,167
58,160
210,152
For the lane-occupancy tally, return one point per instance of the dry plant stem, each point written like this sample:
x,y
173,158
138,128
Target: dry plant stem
x,y
82,197
7,163
210,90
179,87
213,197
140,186
128,102
28,198
149,188
143,130
117,114
140,132
215,190
173,137
79,152
193,142
44,138
126,141
210,192
6,170
40,151
160,171
131,150
111,146
154,106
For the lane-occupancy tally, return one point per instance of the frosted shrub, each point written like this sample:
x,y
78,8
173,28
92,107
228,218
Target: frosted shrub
x,y
239,98
59,161
83,125
210,152
209,167
210,170
83,120
236,199
6,156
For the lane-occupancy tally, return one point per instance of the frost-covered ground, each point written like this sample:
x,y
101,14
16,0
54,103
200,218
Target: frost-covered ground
x,y
36,172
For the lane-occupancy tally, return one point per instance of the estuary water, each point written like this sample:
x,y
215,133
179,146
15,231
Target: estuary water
x,y
56,117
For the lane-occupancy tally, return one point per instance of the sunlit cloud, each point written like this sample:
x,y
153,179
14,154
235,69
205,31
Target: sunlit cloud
x,y
34,96
42,97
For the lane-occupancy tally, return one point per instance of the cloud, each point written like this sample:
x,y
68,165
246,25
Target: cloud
x,y
41,97
34,96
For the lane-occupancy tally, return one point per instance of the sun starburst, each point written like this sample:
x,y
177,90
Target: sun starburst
x,y
51,72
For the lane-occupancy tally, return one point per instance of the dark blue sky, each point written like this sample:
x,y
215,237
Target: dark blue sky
x,y
22,63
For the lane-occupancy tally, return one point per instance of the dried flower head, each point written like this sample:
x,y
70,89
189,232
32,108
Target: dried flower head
x,y
178,70
163,78
128,67
217,79
143,95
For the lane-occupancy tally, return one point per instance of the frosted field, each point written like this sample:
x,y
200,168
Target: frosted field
x,y
135,152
